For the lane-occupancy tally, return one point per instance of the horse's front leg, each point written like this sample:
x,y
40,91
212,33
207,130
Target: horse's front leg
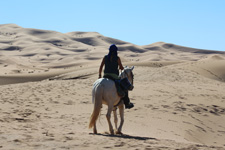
x,y
115,117
121,109
108,116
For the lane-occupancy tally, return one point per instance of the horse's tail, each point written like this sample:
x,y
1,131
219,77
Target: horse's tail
x,y
97,99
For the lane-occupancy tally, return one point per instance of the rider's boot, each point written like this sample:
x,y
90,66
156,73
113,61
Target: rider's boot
x,y
127,102
120,92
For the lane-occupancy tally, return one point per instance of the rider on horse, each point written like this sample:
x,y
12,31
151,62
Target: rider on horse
x,y
112,62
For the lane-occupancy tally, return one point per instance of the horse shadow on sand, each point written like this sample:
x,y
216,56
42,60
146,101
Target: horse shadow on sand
x,y
125,136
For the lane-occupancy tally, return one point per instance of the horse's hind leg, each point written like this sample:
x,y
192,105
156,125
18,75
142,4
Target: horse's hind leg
x,y
121,109
115,117
95,129
108,116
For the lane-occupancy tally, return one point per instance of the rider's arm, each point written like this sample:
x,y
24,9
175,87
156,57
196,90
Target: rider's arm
x,y
120,64
101,66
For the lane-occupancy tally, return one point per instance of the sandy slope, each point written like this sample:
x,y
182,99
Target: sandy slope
x,y
179,93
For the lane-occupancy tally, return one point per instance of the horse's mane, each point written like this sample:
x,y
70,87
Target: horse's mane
x,y
124,72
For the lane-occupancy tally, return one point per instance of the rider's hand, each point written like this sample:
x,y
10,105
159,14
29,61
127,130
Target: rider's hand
x,y
99,76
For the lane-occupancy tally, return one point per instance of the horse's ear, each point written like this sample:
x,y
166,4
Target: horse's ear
x,y
132,68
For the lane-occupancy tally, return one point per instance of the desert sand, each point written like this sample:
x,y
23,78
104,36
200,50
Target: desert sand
x,y
46,81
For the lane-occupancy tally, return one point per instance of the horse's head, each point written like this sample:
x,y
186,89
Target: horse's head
x,y
127,73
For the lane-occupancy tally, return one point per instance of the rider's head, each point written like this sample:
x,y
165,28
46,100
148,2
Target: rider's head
x,y
112,50
113,47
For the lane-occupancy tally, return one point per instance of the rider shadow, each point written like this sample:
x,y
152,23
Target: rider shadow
x,y
125,136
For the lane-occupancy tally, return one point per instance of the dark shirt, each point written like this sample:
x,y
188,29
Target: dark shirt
x,y
111,65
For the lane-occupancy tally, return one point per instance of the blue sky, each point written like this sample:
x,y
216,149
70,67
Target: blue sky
x,y
192,23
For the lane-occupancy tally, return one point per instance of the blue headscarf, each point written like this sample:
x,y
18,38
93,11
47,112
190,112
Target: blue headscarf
x,y
112,51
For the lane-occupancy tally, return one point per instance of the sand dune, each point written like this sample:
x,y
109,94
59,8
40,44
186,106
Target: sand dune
x,y
179,93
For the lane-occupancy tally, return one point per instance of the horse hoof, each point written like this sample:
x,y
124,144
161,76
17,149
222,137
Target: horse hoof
x,y
119,132
112,132
95,132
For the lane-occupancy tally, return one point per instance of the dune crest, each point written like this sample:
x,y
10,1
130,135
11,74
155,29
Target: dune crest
x,y
49,49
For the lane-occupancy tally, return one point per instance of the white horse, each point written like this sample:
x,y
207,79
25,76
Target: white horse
x,y
104,92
